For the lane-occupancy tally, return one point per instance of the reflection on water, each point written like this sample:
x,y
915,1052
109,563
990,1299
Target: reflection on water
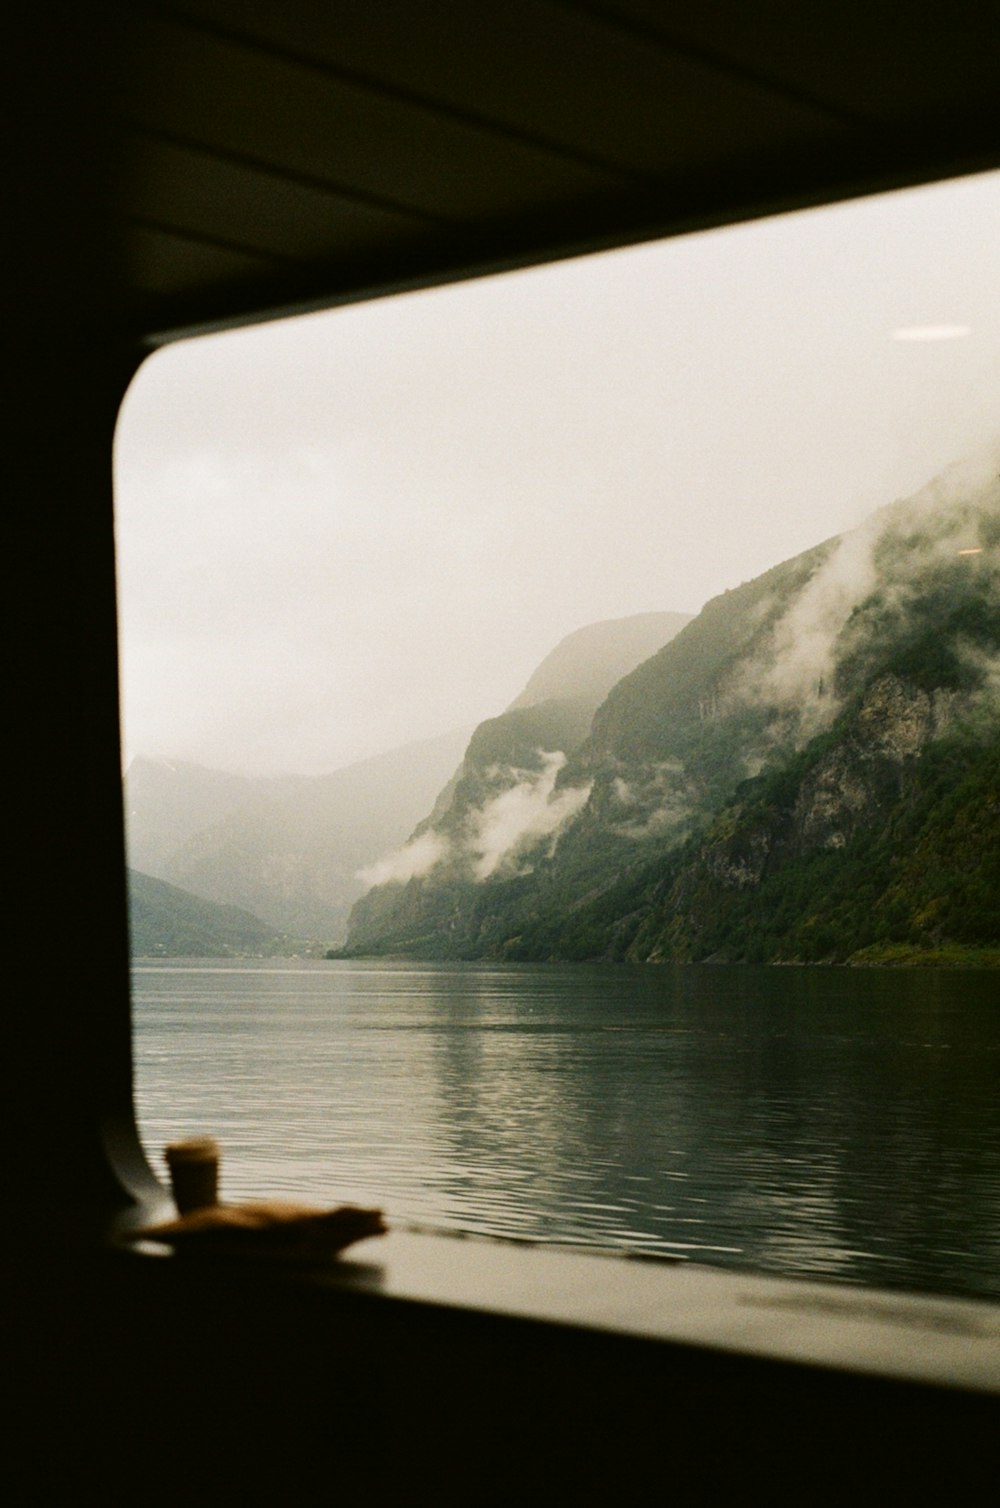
x,y
835,1123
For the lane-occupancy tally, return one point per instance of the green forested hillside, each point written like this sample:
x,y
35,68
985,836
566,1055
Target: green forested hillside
x,y
923,873
167,922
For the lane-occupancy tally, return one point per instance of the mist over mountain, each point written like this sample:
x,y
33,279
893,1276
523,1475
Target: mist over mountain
x,y
807,771
295,851
502,799
286,848
585,665
168,801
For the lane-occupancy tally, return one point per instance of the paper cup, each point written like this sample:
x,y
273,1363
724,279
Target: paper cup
x,y
194,1172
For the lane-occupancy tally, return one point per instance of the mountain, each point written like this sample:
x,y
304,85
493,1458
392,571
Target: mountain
x,y
286,848
166,922
807,771
502,796
168,801
585,665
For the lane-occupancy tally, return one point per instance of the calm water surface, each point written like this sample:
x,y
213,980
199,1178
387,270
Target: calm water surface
x,y
821,1122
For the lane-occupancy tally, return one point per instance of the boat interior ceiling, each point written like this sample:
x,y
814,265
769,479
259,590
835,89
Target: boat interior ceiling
x,y
236,157
172,168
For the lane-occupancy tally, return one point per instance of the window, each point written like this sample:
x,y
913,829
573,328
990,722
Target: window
x,y
348,540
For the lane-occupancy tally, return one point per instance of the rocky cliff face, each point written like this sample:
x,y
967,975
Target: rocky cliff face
x,y
892,835
851,784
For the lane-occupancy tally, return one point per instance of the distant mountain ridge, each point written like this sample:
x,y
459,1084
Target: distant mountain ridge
x,y
167,922
585,665
291,850
288,849
807,771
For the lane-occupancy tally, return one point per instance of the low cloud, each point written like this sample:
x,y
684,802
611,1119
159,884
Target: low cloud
x,y
505,831
802,660
502,832
889,553
411,862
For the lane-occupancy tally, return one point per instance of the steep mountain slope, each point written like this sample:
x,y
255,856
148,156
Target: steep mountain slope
x,y
807,770
880,843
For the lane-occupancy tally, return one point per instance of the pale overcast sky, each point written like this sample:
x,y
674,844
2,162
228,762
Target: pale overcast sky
x,y
346,531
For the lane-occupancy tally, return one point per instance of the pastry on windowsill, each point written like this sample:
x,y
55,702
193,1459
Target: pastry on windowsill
x,y
274,1229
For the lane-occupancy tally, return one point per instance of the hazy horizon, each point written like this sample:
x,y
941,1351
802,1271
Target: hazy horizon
x,y
349,531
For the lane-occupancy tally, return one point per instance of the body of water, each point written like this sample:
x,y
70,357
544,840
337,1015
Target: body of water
x,y
830,1123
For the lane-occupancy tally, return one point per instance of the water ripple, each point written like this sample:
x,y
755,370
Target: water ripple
x,y
821,1122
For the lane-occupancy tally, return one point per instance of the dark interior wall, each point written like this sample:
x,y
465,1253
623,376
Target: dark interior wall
x,y
68,1050
69,1016
145,1383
